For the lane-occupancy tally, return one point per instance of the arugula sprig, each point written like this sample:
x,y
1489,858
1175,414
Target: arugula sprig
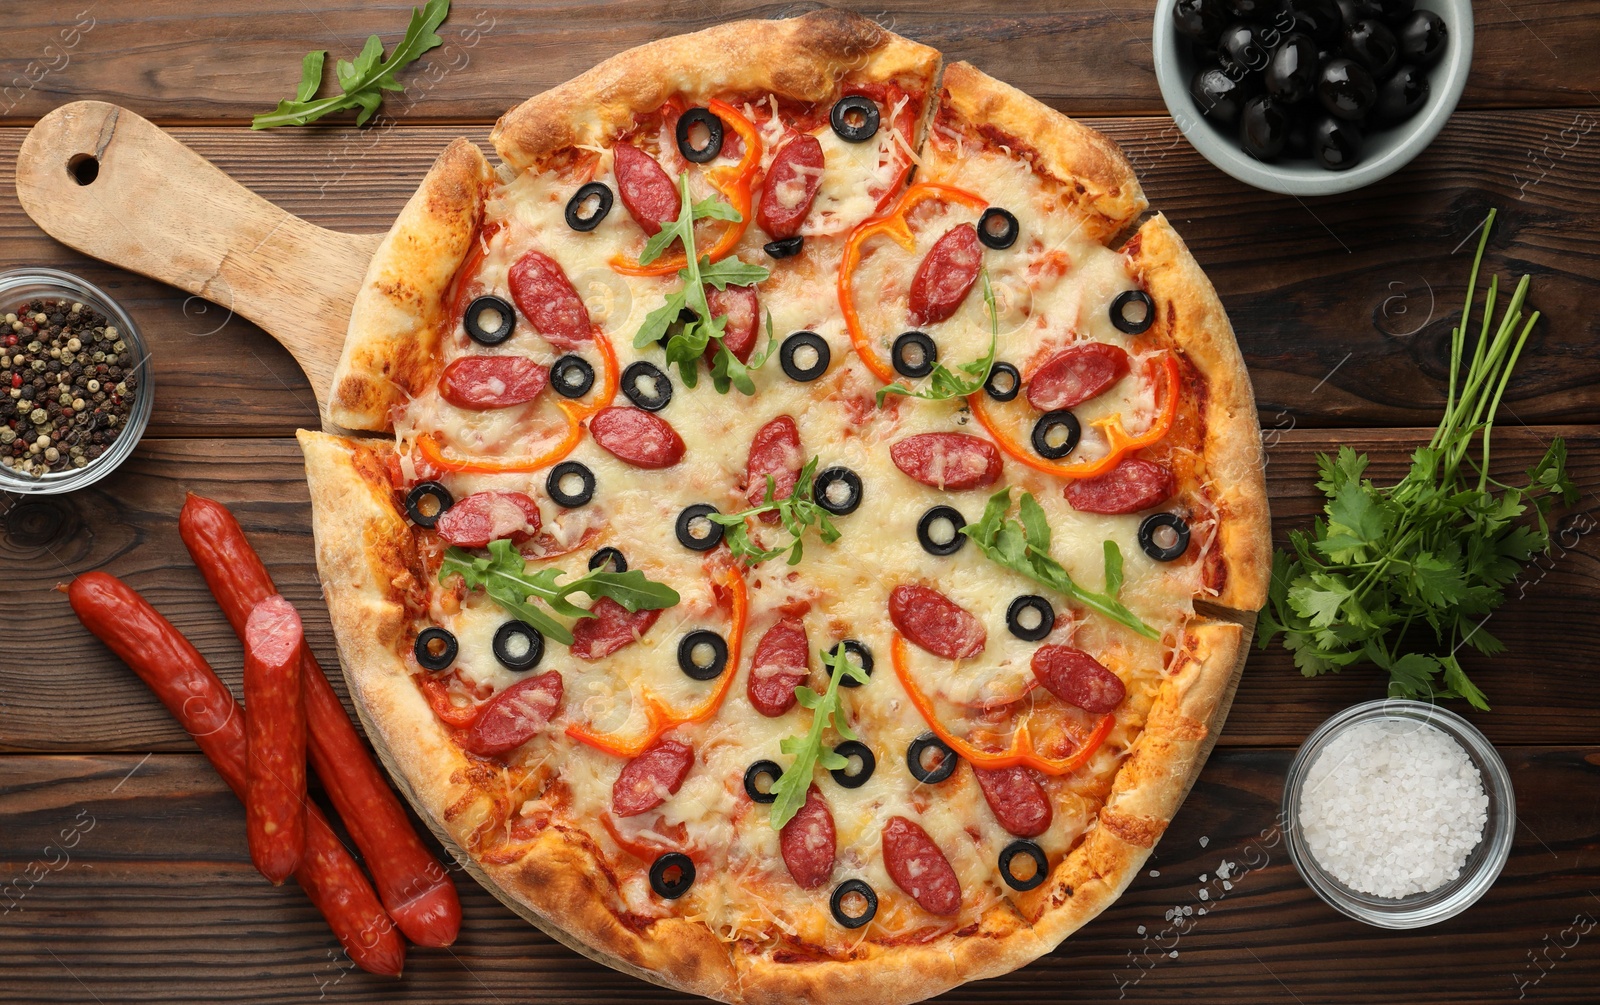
x,y
942,383
789,790
1434,552
1024,546
503,575
363,80
687,344
796,513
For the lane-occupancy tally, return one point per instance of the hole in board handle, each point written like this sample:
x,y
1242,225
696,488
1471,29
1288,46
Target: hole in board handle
x,y
84,168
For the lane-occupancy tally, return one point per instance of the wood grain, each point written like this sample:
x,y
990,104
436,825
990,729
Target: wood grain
x,y
156,900
83,699
171,60
1342,306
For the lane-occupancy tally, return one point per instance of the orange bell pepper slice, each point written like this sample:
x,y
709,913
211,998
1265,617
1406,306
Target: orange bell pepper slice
x,y
733,181
658,717
428,445
438,694
1119,442
1021,751
892,223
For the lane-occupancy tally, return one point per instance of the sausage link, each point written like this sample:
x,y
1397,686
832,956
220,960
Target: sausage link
x,y
946,275
647,190
489,516
952,461
1018,800
637,437
779,666
612,627
1076,374
646,781
918,867
742,307
546,297
936,623
484,382
791,187
416,889
775,451
1134,484
515,715
1078,679
275,777
203,705
808,842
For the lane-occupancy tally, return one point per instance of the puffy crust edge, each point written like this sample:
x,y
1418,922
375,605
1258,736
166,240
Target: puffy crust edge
x,y
1083,160
802,58
558,884
390,349
1233,452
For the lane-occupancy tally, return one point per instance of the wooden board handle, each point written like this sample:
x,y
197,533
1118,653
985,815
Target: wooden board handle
x,y
107,182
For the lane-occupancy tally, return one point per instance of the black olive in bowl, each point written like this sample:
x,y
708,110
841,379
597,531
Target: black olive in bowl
x,y
1422,37
1400,96
1263,127
1346,89
1335,143
1371,43
1291,75
1219,96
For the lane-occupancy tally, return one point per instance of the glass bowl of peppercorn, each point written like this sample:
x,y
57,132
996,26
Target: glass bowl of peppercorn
x,y
75,388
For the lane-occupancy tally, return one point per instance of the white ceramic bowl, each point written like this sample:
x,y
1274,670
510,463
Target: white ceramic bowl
x,y
1384,151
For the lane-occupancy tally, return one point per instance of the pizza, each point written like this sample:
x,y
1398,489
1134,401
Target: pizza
x,y
795,518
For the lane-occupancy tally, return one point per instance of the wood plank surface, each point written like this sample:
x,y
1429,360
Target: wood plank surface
x,y
228,59
123,879
81,698
1342,306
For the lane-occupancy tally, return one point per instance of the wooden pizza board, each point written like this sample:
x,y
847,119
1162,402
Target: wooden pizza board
x,y
153,206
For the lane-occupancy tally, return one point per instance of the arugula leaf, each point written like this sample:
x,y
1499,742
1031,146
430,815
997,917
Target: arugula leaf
x,y
503,575
1023,546
796,513
363,80
808,751
1431,554
942,383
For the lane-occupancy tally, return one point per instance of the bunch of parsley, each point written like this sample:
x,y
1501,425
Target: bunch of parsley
x,y
1432,555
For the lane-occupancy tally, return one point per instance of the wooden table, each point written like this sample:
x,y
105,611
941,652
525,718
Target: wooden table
x,y
141,887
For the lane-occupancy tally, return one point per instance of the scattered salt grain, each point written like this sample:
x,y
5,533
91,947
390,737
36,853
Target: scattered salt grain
x,y
1154,873
1393,811
1204,841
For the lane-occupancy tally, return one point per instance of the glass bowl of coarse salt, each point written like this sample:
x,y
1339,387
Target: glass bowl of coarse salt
x,y
1398,813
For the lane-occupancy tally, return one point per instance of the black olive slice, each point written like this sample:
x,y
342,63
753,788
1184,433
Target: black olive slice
x,y
860,889
786,247
914,354
687,656
518,645
803,345
869,763
1004,381
475,314
646,386
713,126
859,654
771,771
559,484
580,216
1041,865
998,229
854,118
1158,527
609,559
935,518
435,648
1048,423
671,875
939,772
1132,325
571,376
1039,606
418,501
690,519
837,490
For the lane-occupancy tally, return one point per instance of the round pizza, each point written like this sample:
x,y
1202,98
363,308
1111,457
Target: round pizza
x,y
796,519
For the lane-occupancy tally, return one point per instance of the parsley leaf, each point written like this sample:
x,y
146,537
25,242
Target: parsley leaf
x,y
942,383
808,751
796,513
1023,546
503,575
1387,566
363,80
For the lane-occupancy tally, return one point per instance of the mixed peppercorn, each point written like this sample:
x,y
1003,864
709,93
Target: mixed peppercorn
x,y
69,382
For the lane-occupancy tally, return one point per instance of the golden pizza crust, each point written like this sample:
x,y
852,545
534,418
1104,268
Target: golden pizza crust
x,y
803,58
560,880
391,349
1088,166
1233,455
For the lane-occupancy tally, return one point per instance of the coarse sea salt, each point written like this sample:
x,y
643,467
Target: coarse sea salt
x,y
1393,808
